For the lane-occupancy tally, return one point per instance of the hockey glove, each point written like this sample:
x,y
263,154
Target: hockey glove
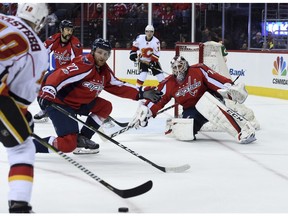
x,y
152,65
150,94
237,92
47,96
133,56
141,117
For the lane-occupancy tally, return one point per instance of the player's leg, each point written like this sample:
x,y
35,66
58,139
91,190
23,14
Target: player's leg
x,y
15,136
143,70
159,75
229,120
187,127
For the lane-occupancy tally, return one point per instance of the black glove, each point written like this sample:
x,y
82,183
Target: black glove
x,y
150,94
152,65
133,56
47,97
30,121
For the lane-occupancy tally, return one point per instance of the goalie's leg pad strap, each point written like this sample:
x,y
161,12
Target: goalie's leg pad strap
x,y
183,128
217,113
13,125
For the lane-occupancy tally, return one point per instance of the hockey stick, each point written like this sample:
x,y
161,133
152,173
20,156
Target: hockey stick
x,y
126,193
128,127
147,63
119,123
163,169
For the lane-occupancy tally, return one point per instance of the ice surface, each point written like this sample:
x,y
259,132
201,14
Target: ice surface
x,y
225,177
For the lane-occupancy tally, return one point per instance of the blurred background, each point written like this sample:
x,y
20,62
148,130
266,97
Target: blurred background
x,y
241,26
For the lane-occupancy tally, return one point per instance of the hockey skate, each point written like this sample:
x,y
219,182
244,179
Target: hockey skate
x,y
41,117
19,207
86,146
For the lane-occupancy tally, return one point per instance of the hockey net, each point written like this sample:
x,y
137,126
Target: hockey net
x,y
209,53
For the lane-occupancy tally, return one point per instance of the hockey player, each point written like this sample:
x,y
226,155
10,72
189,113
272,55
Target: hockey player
x,y
76,88
23,63
64,46
146,50
191,87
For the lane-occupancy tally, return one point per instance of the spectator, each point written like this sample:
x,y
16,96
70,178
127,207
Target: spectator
x,y
163,45
257,41
206,35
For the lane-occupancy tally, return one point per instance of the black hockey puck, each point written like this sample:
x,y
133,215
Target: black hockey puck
x,y
123,209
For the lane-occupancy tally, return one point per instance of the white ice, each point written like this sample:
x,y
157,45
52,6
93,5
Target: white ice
x,y
225,177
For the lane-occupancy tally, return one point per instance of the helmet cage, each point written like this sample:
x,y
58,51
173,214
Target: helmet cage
x,y
179,67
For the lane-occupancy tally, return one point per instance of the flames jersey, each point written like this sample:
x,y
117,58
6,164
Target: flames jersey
x,y
81,82
147,50
23,60
198,80
63,52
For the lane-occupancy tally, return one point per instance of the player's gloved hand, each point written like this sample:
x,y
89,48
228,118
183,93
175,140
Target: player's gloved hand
x,y
30,121
237,92
47,96
150,94
133,56
141,117
152,65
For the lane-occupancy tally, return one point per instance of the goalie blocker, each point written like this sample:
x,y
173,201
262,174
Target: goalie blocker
x,y
219,115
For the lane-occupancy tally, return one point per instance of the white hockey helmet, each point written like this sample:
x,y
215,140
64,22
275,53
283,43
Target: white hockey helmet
x,y
179,67
33,12
149,28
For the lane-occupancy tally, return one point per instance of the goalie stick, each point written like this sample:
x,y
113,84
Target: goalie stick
x,y
128,127
119,123
163,169
126,193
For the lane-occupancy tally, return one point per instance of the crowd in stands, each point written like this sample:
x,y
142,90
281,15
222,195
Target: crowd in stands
x,y
172,23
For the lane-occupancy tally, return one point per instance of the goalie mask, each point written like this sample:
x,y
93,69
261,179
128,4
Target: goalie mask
x,y
34,13
179,67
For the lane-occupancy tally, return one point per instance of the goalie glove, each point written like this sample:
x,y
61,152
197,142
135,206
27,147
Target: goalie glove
x,y
237,93
141,117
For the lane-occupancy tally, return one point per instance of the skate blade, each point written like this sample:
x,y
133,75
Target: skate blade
x,y
80,151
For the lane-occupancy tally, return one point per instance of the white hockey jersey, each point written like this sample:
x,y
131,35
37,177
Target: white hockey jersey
x,y
147,50
23,60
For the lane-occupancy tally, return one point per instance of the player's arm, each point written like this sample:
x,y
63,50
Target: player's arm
x,y
224,86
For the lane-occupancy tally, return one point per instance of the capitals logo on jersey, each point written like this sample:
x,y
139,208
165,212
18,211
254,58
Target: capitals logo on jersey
x,y
189,88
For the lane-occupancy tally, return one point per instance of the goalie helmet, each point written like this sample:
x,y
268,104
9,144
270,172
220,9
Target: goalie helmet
x,y
66,24
35,13
102,44
179,67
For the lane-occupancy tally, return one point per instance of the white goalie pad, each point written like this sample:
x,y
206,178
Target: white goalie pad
x,y
227,119
245,111
181,129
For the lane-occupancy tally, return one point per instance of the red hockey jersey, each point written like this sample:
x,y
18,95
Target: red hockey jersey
x,y
199,79
81,82
63,52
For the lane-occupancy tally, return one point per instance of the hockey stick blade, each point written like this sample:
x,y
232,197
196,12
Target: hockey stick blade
x,y
119,123
179,169
126,193
141,189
